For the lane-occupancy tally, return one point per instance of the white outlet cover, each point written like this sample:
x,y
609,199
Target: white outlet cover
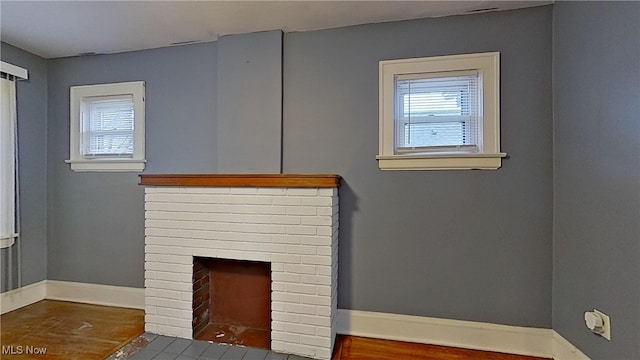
x,y
606,333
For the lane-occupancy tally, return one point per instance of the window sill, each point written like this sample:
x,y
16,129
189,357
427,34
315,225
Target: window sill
x,y
110,165
441,162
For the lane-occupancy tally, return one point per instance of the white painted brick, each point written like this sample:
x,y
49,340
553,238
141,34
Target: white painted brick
x,y
170,313
168,285
285,337
167,249
315,260
235,254
278,325
285,277
286,258
245,200
323,270
323,331
285,317
331,192
314,320
277,346
300,288
253,219
169,259
207,190
324,231
268,229
302,350
243,191
260,224
324,211
168,330
324,251
301,249
272,191
300,268
156,319
168,294
287,239
315,300
300,309
323,310
278,306
151,310
323,290
316,220
162,302
285,297
300,329
315,340
150,275
301,230
316,201
286,220
302,210
316,240
186,333
169,267
315,279
150,327
324,353
302,192
287,200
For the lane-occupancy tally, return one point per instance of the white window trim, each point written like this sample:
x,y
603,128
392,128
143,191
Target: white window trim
x,y
489,157
7,240
77,160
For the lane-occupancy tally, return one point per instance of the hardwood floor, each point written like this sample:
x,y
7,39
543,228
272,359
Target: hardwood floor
x,y
67,331
359,348
73,331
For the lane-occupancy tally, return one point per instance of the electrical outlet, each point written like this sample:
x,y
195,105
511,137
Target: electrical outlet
x,y
606,326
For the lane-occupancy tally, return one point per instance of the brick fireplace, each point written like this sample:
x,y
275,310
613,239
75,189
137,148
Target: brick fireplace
x,y
289,222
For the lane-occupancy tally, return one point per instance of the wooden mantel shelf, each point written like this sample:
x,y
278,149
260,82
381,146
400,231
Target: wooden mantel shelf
x,y
243,180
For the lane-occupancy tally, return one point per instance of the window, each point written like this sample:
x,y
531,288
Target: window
x,y
8,152
440,113
107,127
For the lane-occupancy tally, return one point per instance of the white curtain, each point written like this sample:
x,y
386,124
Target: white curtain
x,y
7,163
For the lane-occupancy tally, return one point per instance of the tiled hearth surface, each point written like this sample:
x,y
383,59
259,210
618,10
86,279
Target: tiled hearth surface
x,y
156,347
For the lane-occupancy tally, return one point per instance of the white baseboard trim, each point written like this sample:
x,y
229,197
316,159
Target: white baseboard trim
x,y
21,297
564,350
95,294
457,333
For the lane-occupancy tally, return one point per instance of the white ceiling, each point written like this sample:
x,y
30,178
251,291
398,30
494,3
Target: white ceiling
x,y
66,28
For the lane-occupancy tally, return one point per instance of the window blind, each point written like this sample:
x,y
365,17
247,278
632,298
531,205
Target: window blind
x,y
437,113
108,127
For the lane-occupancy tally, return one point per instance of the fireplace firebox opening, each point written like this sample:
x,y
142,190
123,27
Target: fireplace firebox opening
x,y
232,301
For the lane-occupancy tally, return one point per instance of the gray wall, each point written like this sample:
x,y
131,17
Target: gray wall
x,y
472,245
250,103
96,231
597,174
32,157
